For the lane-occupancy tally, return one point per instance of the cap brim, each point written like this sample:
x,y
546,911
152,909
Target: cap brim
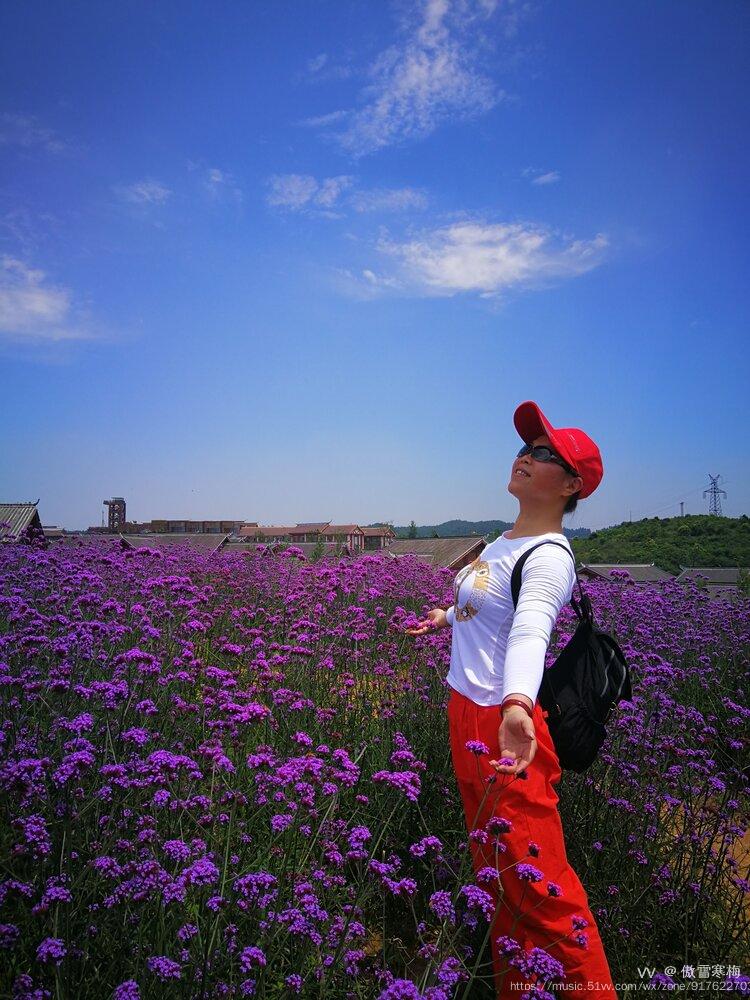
x,y
530,422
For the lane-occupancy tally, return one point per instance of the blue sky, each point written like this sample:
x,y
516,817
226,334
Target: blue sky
x,y
301,261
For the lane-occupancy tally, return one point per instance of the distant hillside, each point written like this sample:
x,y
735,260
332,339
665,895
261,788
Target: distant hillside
x,y
670,542
490,529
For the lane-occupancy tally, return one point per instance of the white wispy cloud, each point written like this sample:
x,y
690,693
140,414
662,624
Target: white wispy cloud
x,y
539,176
322,120
145,192
379,279
320,67
388,199
365,284
433,75
489,258
221,184
291,190
551,177
303,192
26,131
27,229
318,62
34,309
216,177
330,189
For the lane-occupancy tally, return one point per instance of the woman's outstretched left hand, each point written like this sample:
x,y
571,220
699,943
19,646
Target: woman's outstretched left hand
x,y
517,740
434,619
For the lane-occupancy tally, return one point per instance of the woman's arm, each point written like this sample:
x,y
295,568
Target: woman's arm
x,y
547,580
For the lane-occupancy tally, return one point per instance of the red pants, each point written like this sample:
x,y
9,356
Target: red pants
x,y
524,910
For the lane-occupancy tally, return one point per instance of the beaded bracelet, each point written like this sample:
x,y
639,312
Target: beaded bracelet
x,y
516,701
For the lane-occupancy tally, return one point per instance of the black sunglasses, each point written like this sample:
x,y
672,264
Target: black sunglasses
x,y
542,453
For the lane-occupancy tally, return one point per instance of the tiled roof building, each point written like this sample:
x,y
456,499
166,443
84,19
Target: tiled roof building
x,y
452,552
20,522
639,572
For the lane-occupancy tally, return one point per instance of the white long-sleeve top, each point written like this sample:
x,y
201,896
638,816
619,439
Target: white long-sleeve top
x,y
496,652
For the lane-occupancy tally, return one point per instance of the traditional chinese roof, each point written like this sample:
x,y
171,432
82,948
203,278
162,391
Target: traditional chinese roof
x,y
19,517
437,551
639,572
205,540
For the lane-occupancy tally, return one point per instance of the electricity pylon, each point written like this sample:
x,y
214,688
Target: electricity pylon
x,y
714,505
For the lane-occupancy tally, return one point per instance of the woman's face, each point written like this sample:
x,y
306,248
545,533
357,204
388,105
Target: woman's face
x,y
542,479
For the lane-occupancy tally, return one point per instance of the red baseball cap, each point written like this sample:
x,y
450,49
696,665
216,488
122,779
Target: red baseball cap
x,y
571,443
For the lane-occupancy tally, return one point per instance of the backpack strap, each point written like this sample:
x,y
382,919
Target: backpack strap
x,y
582,609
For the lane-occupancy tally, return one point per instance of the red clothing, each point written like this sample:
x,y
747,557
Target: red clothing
x,y
528,913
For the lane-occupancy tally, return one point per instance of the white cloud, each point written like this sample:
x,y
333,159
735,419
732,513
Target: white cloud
x,y
29,229
291,190
432,76
304,192
539,176
331,188
146,192
301,191
388,199
26,131
32,309
366,284
317,63
322,120
490,258
379,280
221,184
320,68
551,177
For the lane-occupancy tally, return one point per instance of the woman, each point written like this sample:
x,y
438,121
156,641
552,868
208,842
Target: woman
x,y
497,662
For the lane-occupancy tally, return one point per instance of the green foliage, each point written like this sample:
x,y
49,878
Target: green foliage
x,y
460,529
670,543
318,550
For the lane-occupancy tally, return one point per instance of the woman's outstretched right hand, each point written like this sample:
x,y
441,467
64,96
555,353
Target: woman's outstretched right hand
x,y
433,620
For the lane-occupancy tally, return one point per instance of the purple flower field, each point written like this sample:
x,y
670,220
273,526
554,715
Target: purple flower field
x,y
229,776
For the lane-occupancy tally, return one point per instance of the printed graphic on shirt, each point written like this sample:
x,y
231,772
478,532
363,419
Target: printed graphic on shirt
x,y
481,570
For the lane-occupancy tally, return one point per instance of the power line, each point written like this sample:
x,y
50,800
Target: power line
x,y
672,503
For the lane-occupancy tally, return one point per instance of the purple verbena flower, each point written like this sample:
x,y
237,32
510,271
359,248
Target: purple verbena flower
x,y
51,950
478,899
127,990
251,957
405,781
528,873
164,968
441,904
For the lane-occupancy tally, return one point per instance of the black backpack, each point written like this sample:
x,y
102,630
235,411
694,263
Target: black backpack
x,y
584,684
